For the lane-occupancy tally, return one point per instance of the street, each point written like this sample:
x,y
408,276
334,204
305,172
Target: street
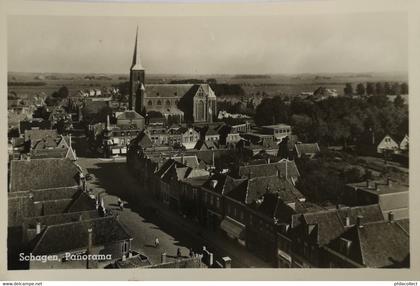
x,y
112,180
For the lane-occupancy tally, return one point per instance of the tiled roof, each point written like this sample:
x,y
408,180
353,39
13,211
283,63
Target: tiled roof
x,y
223,183
36,174
270,169
167,90
60,218
253,189
378,244
55,239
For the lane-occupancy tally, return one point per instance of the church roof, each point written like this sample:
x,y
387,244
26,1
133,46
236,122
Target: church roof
x,y
136,56
167,90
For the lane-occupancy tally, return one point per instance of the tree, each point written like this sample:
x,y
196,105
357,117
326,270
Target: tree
x,y
398,101
360,89
348,90
396,89
380,88
404,88
370,89
387,88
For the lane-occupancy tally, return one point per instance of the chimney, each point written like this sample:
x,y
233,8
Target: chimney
x,y
390,216
227,262
367,182
347,220
70,140
108,124
388,182
376,186
163,258
268,160
124,258
38,227
359,221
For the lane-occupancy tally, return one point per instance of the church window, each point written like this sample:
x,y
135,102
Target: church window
x,y
176,101
159,102
149,103
168,103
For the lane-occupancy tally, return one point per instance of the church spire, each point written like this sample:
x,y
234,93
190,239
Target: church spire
x,y
136,57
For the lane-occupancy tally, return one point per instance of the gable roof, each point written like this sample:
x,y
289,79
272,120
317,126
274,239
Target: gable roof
x,y
307,148
48,173
253,189
379,244
283,166
55,238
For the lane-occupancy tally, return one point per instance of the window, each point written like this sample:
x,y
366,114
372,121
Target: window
x,y
218,202
128,133
242,215
168,103
149,103
122,134
211,200
228,209
159,102
205,197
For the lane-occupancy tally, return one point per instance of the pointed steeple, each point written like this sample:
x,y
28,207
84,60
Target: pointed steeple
x,y
136,57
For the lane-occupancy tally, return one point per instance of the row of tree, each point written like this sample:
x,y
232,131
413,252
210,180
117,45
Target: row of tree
x,y
338,121
379,88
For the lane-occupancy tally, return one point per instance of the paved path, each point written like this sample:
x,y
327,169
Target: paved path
x,y
112,180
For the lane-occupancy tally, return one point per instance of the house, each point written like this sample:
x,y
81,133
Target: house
x,y
404,144
211,199
381,244
279,131
36,174
245,205
309,150
287,169
212,135
117,138
387,144
206,145
189,138
312,231
130,117
104,239
170,175
391,196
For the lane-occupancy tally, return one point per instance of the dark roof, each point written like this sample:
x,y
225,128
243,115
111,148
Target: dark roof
x,y
82,203
167,90
379,244
143,140
270,169
331,223
60,218
211,132
222,183
36,174
55,238
253,189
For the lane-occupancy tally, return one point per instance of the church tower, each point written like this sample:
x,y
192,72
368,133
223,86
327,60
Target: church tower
x,y
137,76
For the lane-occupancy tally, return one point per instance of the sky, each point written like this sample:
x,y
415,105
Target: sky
x,y
282,44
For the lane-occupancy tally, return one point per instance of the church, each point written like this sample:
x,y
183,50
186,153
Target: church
x,y
191,103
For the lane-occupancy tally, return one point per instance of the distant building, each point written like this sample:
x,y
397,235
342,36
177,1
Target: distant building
x,y
404,144
186,102
387,144
309,150
279,131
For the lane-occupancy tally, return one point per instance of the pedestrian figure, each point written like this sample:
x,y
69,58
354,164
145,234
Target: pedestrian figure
x,y
178,252
156,242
